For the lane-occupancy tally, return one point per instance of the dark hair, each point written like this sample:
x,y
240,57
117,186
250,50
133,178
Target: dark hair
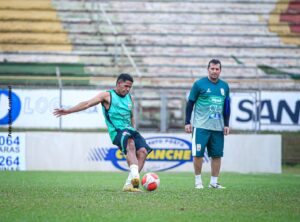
x,y
124,77
214,61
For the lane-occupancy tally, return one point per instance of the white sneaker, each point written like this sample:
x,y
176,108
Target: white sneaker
x,y
216,186
199,186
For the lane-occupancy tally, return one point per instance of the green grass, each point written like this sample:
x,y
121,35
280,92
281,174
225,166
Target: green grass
x,y
97,196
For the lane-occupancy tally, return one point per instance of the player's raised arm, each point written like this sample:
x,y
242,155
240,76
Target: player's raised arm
x,y
100,98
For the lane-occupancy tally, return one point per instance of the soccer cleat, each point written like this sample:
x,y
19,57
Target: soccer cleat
x,y
199,186
130,188
136,190
135,182
216,186
127,187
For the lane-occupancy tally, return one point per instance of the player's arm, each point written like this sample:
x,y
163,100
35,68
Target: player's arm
x,y
226,115
188,114
190,106
132,113
100,98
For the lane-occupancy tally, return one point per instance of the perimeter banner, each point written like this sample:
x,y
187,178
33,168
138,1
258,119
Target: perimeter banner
x,y
12,151
278,111
171,152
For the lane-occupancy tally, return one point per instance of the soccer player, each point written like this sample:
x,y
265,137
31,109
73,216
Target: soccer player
x,y
209,97
117,106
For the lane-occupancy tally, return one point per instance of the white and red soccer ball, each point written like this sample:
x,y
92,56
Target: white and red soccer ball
x,y
150,181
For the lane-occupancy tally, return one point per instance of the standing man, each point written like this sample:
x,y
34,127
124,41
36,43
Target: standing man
x,y
210,95
117,106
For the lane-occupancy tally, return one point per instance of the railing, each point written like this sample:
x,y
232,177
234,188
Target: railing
x,y
98,6
60,85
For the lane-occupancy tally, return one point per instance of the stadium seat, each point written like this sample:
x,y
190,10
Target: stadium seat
x,y
169,41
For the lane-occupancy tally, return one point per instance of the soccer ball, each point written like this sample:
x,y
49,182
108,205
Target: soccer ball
x,y
150,181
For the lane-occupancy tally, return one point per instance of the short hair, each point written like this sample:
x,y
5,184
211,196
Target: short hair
x,y
214,61
124,77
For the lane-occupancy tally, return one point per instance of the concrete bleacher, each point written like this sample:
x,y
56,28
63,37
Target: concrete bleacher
x,y
29,31
170,41
31,26
177,38
40,35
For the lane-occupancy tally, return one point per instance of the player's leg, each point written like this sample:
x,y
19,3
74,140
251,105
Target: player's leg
x,y
128,148
215,166
141,155
216,147
199,141
131,153
126,144
133,163
142,149
197,161
198,169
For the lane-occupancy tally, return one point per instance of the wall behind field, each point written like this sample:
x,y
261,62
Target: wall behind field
x,y
61,151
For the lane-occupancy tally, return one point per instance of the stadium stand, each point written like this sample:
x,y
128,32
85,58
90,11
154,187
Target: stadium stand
x,y
169,41
30,30
175,39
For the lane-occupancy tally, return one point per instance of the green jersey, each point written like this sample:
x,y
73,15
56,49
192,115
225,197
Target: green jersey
x,y
209,100
119,113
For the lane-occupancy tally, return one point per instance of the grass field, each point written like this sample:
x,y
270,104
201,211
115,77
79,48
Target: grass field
x,y
97,196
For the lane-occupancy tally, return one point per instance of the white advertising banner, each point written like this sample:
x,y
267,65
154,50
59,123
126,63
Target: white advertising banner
x,y
278,111
34,108
12,151
171,152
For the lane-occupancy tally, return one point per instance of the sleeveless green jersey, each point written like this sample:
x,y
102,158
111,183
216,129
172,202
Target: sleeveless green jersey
x,y
209,100
119,113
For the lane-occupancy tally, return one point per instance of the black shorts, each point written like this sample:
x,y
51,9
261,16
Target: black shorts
x,y
121,140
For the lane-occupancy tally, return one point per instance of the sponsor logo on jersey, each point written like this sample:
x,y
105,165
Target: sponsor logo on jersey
x,y
129,105
222,92
216,100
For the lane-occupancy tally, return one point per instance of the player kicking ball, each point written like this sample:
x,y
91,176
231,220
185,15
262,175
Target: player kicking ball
x,y
117,105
